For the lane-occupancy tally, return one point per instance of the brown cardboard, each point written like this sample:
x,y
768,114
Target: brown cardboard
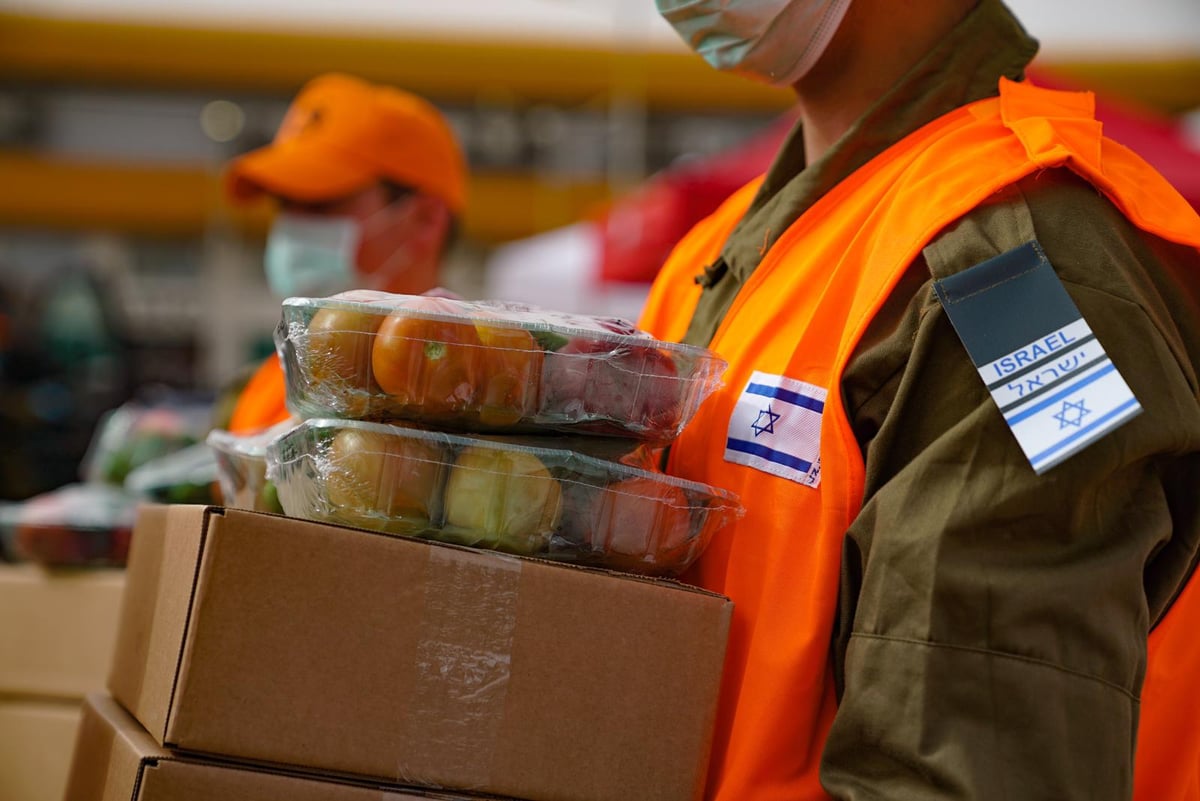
x,y
285,641
116,760
57,629
36,738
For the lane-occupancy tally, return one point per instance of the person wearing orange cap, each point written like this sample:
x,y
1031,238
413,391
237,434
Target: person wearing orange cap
x,y
369,182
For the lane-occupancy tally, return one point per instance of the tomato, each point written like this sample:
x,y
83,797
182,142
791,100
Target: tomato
x,y
637,523
428,367
450,371
338,346
618,387
501,499
510,375
335,360
377,480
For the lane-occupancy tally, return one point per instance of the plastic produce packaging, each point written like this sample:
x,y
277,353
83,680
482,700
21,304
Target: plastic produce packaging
x,y
188,475
487,366
242,467
73,526
548,502
135,433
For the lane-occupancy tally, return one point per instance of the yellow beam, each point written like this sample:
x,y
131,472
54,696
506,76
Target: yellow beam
x,y
1169,83
165,201
36,49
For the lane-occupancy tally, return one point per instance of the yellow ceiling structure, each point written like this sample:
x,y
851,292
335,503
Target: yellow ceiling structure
x,y
62,50
36,51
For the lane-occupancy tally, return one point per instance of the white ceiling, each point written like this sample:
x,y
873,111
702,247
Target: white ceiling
x,y
1063,26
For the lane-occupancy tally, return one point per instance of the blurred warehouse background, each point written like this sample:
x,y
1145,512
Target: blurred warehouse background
x,y
121,267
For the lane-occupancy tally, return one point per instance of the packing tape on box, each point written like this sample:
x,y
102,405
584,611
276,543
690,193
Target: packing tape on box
x,y
460,689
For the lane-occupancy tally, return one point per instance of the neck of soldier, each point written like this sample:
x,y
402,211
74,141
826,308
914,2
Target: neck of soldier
x,y
876,44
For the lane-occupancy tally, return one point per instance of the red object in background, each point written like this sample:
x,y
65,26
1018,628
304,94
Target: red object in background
x,y
639,230
1157,138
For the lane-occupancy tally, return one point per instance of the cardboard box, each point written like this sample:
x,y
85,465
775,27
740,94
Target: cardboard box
x,y
58,629
286,641
116,760
36,738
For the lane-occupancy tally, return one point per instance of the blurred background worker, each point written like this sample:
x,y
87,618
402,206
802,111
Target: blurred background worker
x,y
369,182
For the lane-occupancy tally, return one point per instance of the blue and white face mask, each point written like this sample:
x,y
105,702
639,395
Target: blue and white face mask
x,y
775,41
311,256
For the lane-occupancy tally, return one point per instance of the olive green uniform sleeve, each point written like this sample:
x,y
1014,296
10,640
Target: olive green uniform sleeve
x,y
993,622
991,637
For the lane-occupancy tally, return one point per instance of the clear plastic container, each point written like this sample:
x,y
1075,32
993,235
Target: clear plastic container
x,y
188,475
136,433
242,467
490,493
78,525
487,366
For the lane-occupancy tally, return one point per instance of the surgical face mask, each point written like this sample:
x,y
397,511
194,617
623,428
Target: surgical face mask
x,y
311,256
776,41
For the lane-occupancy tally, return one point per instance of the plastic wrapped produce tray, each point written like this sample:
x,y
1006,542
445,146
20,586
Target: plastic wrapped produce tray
x,y
487,366
487,492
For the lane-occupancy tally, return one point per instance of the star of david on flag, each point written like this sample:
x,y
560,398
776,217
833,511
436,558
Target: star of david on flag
x,y
765,424
776,428
1071,414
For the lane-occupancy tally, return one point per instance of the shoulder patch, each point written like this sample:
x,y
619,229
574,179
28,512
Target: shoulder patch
x,y
1050,377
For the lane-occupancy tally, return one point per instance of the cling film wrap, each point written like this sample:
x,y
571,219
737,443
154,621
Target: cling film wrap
x,y
487,366
136,433
463,662
183,476
76,525
241,464
508,494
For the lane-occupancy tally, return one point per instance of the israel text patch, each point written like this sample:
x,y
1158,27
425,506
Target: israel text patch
x,y
776,428
1056,387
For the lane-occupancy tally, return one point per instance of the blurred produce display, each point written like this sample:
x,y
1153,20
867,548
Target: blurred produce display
x,y
138,432
78,525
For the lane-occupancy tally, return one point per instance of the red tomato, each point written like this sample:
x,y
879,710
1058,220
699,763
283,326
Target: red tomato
x,y
428,367
511,373
634,388
337,358
638,523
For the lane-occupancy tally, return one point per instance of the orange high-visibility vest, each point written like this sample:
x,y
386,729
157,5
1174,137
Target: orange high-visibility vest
x,y
800,315
263,401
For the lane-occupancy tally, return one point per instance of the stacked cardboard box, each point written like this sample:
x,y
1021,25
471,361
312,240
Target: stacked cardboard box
x,y
300,649
119,761
57,635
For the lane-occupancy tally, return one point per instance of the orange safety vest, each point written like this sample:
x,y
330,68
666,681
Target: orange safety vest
x,y
263,401
800,315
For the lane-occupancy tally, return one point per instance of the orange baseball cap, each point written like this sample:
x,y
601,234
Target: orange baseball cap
x,y
342,134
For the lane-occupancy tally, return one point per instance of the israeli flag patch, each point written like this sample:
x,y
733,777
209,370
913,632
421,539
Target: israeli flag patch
x,y
1042,364
776,427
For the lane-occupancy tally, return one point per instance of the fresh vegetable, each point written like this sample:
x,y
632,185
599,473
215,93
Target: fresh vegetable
x,y
427,363
510,371
339,346
638,522
384,482
501,499
630,386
